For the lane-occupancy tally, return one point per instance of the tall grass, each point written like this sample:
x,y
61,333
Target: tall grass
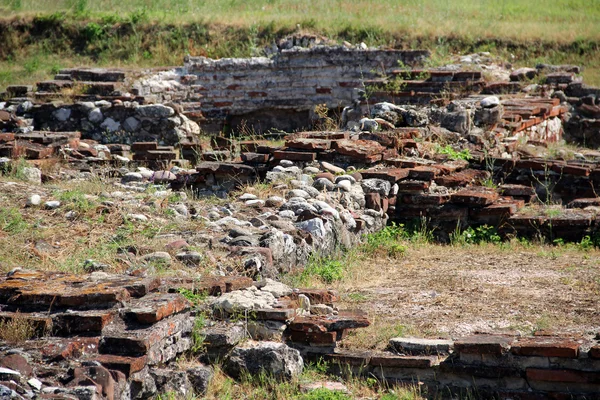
x,y
557,20
40,37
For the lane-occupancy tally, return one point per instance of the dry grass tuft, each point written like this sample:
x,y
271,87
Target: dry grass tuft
x,y
17,330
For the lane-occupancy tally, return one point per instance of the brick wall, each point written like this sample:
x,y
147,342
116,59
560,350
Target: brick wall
x,y
276,92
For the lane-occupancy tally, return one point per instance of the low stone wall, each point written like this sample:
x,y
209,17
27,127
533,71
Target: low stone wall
x,y
115,122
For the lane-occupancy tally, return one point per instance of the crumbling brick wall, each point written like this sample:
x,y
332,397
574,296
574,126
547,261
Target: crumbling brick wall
x,y
277,92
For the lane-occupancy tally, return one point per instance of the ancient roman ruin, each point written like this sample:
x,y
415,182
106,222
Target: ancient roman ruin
x,y
214,126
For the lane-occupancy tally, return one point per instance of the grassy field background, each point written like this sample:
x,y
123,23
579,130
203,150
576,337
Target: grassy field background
x,y
551,20
41,36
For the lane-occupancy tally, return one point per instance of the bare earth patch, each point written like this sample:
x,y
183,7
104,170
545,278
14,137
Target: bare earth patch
x,y
452,291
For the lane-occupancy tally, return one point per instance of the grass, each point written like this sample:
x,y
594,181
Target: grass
x,y
516,19
43,36
265,387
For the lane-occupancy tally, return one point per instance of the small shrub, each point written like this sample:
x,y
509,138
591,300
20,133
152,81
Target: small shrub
x,y
327,270
196,298
16,330
478,235
386,241
198,335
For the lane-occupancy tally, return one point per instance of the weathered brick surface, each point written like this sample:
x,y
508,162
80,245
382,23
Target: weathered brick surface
x,y
546,347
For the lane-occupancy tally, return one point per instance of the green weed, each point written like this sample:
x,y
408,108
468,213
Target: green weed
x,y
478,235
452,154
326,269
12,221
198,336
386,241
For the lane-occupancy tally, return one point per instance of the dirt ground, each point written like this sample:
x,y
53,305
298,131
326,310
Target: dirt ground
x,y
447,291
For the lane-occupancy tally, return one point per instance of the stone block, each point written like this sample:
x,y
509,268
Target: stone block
x,y
396,361
418,346
484,344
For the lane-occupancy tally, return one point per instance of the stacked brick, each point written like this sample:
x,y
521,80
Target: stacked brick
x,y
36,145
104,335
493,366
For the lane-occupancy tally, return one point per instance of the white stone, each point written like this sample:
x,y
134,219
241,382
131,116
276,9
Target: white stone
x,y
490,101
277,289
95,115
244,300
137,217
34,200
52,204
131,124
255,203
344,185
248,196
35,383
32,174
332,168
275,201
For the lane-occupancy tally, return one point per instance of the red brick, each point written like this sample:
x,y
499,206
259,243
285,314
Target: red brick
x,y
7,137
359,149
517,190
474,197
275,314
144,146
81,322
533,164
562,375
391,175
595,351
257,94
571,170
546,347
155,307
462,178
411,186
423,173
255,158
315,337
294,155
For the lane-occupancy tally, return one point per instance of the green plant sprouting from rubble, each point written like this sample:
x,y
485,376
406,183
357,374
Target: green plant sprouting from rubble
x,y
453,154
